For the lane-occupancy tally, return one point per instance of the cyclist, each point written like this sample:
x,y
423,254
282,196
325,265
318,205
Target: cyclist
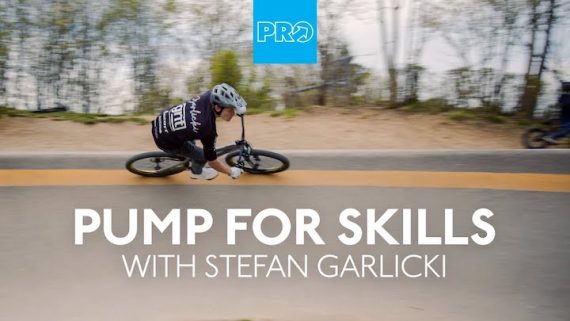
x,y
176,128
564,103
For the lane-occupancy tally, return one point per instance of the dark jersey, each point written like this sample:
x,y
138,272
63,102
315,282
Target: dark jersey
x,y
192,120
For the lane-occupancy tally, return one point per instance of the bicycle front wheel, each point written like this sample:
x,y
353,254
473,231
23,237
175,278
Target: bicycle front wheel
x,y
260,161
532,138
157,164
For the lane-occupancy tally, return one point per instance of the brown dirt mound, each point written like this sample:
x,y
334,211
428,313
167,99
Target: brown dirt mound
x,y
313,128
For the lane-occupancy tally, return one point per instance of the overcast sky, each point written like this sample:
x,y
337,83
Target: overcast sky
x,y
362,32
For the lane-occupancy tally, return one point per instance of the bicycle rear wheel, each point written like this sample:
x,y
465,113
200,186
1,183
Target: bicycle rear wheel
x,y
532,138
260,161
157,164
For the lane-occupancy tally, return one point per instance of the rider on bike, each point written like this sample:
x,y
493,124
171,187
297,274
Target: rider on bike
x,y
564,103
176,128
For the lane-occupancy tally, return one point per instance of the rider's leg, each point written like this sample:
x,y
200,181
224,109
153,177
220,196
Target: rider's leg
x,y
563,132
195,153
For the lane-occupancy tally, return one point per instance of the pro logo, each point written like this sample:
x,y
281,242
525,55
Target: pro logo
x,y
285,31
282,31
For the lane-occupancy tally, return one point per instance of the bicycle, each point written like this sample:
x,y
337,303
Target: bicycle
x,y
241,154
532,138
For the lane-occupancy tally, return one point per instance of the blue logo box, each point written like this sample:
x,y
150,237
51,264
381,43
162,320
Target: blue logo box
x,y
285,31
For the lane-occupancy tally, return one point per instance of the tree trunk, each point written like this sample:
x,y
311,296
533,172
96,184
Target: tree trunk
x,y
390,48
393,74
529,98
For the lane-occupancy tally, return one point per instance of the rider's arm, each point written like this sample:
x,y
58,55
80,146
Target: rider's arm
x,y
211,157
220,167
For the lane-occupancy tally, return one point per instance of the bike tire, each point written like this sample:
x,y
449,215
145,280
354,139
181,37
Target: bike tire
x,y
260,162
157,164
532,138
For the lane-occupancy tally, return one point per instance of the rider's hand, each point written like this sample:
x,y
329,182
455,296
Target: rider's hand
x,y
236,172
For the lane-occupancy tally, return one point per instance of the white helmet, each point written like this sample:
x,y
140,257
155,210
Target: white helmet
x,y
225,96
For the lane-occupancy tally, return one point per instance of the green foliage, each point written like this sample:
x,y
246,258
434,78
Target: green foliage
x,y
135,25
170,6
198,80
492,113
439,105
432,106
259,99
291,98
462,115
155,99
121,10
525,123
462,81
87,119
360,100
411,87
494,118
224,67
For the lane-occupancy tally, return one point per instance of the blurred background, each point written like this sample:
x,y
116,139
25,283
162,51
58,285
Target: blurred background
x,y
495,57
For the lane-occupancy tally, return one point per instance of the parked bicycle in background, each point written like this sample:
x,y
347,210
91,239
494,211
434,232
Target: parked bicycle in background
x,y
555,129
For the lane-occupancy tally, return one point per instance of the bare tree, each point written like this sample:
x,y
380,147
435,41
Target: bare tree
x,y
218,25
390,44
483,33
510,12
419,29
5,34
330,42
135,27
542,18
402,42
21,27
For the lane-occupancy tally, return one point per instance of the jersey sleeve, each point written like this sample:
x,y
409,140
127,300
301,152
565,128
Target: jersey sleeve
x,y
209,144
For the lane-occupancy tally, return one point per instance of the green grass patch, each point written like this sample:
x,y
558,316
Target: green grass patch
x,y
287,113
10,112
431,106
462,115
494,118
87,119
524,123
138,120
440,105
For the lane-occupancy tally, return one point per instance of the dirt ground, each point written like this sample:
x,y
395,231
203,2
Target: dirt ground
x,y
312,129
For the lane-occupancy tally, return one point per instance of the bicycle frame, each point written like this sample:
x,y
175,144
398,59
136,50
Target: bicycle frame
x,y
242,145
